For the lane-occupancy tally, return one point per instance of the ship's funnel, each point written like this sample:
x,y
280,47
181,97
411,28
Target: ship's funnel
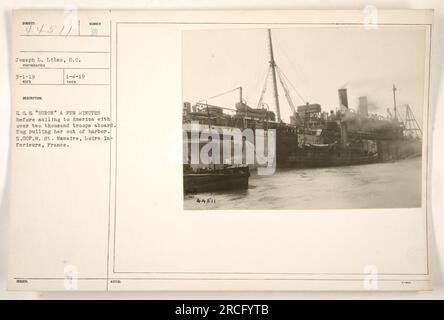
x,y
363,107
343,100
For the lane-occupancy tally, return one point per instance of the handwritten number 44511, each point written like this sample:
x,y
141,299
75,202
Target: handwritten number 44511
x,y
205,200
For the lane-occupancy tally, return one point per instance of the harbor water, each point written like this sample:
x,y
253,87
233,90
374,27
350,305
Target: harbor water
x,y
380,185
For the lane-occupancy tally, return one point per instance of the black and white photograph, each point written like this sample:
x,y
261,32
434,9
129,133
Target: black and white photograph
x,y
300,118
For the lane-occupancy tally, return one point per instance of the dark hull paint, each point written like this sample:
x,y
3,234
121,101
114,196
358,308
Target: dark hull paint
x,y
289,154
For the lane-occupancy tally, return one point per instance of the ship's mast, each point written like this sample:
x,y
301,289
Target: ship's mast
x,y
273,71
394,102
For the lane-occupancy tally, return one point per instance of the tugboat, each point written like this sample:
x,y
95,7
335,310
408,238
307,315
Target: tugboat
x,y
214,178
208,179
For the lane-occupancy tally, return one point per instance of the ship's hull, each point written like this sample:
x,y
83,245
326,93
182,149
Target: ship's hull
x,y
399,149
307,159
388,150
290,154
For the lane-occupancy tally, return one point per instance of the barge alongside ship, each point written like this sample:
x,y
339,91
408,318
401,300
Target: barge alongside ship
x,y
313,138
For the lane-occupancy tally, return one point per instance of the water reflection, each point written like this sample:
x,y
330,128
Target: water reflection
x,y
380,185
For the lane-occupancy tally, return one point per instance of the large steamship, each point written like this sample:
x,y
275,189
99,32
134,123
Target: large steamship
x,y
313,138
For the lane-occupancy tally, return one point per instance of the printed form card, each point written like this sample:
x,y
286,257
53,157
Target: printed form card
x,y
220,150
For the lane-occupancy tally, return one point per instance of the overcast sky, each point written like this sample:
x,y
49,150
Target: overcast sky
x,y
317,61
